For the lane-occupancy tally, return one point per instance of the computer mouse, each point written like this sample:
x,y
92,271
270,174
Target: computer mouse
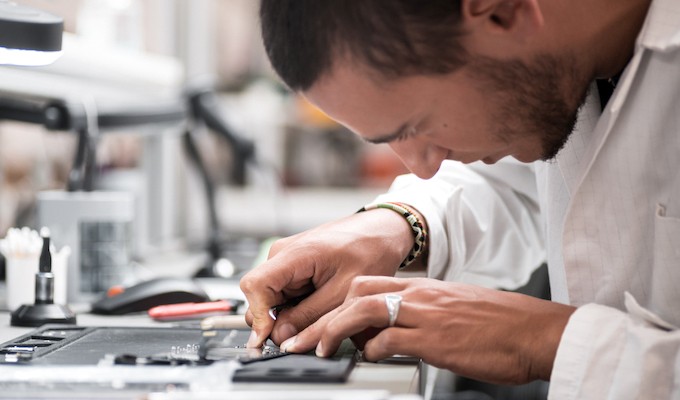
x,y
151,293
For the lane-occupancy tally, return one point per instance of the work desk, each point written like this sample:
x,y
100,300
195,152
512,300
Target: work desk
x,y
369,381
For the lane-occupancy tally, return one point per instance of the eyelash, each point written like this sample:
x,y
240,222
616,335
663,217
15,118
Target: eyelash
x,y
406,134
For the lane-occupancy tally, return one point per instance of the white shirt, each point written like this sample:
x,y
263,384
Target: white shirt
x,y
609,227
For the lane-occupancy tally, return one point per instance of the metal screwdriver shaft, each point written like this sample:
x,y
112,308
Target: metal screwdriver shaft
x,y
44,279
45,254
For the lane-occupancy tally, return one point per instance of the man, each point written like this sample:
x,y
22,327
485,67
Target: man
x,y
503,82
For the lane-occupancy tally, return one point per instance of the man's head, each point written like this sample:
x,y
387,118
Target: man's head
x,y
466,80
396,38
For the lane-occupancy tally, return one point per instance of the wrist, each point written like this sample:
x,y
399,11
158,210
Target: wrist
x,y
419,236
548,329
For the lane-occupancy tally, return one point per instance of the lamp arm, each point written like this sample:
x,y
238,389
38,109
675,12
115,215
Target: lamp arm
x,y
204,107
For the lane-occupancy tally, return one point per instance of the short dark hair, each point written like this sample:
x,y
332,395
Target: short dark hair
x,y
394,38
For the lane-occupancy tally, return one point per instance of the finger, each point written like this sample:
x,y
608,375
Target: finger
x,y
264,287
308,338
370,285
291,321
359,340
257,315
279,245
389,342
260,326
294,320
249,317
356,317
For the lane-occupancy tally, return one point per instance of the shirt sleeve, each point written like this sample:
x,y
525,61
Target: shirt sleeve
x,y
606,353
484,221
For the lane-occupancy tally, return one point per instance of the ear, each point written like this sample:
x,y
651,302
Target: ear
x,y
517,18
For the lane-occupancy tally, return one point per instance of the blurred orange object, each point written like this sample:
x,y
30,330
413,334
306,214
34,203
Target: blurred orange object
x,y
115,290
379,166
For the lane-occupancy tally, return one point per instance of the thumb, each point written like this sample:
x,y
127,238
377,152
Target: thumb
x,y
257,315
262,325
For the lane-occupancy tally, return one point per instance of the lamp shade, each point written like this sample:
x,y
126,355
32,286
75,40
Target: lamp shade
x,y
28,36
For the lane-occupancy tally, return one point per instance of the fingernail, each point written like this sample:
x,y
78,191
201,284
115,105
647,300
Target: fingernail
x,y
319,350
252,340
287,330
287,345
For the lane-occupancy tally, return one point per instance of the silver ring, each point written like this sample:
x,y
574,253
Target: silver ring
x,y
393,302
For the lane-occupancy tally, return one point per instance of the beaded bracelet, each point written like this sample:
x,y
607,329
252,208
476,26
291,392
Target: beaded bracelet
x,y
417,227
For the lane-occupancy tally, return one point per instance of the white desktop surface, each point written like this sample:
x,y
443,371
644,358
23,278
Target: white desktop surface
x,y
369,381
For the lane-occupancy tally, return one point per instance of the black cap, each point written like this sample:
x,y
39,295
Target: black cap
x,y
29,29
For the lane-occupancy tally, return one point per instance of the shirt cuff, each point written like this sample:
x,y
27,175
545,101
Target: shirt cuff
x,y
588,353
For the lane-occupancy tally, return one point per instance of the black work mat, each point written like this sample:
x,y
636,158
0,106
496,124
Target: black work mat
x,y
301,368
74,345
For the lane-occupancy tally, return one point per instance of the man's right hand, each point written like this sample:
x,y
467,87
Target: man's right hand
x,y
320,264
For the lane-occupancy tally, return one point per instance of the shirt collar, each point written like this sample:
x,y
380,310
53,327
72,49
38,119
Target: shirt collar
x,y
661,30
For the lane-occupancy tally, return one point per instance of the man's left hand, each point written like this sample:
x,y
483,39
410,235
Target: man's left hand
x,y
490,335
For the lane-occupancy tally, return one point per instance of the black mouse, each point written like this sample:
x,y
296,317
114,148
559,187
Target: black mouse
x,y
151,293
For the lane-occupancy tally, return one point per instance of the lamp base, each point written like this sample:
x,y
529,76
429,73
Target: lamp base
x,y
40,314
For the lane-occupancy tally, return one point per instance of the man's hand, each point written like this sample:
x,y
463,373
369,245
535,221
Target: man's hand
x,y
320,264
490,335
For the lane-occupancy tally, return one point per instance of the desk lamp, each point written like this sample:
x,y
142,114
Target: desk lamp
x,y
28,36
203,107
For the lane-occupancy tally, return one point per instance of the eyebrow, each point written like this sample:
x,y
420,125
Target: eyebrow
x,y
388,137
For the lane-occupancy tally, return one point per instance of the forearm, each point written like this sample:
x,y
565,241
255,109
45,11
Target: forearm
x,y
549,320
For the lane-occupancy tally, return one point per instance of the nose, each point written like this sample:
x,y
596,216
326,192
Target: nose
x,y
420,157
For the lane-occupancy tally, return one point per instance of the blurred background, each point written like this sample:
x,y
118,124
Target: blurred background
x,y
281,168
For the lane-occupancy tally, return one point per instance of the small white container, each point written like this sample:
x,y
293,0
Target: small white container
x,y
22,255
